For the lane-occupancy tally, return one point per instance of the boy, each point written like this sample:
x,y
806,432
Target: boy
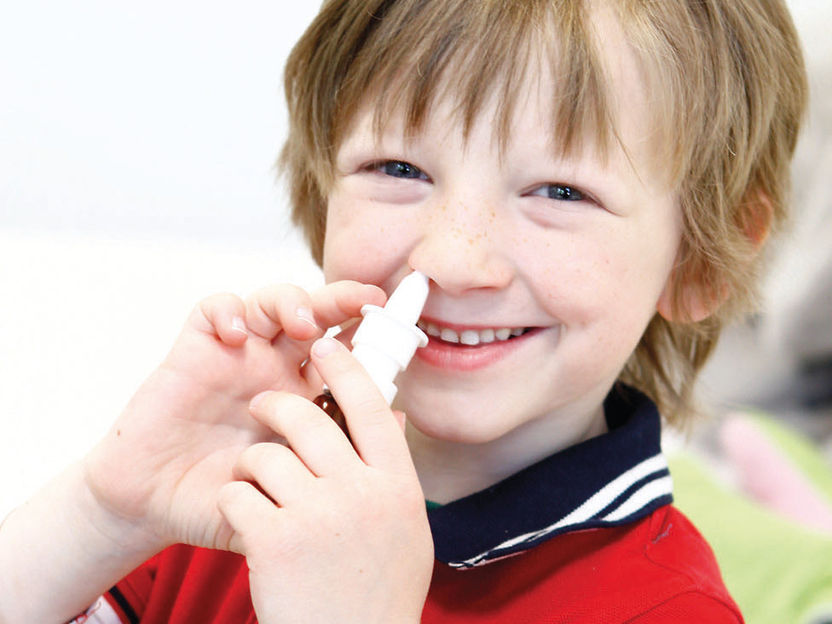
x,y
587,186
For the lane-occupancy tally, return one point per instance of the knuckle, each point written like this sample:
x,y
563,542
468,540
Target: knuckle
x,y
214,306
231,493
263,298
292,415
221,300
278,292
255,456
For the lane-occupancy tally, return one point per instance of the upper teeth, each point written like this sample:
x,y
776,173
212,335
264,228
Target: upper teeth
x,y
469,336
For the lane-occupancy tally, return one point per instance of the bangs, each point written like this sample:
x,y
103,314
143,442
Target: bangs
x,y
408,55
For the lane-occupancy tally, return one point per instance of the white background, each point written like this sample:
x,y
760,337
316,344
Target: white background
x,y
137,144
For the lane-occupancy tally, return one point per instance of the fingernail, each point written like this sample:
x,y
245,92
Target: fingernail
x,y
238,324
305,314
325,346
257,400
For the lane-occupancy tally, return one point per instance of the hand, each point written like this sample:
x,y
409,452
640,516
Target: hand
x,y
331,533
162,464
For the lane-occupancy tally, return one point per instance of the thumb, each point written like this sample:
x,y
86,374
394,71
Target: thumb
x,y
401,418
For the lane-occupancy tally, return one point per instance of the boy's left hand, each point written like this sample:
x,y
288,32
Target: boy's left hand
x,y
331,533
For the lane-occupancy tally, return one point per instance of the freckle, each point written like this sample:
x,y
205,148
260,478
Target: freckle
x,y
118,432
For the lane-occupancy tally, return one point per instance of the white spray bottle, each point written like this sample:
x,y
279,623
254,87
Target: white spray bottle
x,y
386,340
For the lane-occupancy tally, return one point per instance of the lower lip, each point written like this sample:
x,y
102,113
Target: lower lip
x,y
450,356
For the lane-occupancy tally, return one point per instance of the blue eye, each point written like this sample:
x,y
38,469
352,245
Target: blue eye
x,y
400,169
561,192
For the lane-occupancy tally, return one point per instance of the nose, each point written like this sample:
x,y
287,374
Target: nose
x,y
461,248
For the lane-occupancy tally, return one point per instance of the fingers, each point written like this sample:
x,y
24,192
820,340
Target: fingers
x,y
277,470
282,308
340,301
401,419
290,309
267,477
223,316
376,432
312,435
247,511
290,318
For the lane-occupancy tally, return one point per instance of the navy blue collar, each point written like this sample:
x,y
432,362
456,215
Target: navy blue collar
x,y
612,479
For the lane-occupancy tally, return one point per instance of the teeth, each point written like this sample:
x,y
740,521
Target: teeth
x,y
448,335
470,337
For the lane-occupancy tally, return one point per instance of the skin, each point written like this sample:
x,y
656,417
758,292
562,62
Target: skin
x,y
222,446
500,252
178,464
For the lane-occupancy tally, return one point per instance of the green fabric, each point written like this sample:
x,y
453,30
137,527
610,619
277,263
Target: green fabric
x,y
777,571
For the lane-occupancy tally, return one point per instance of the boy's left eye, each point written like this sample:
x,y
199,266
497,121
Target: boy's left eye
x,y
400,169
561,192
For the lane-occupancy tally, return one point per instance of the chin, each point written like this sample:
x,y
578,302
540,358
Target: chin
x,y
456,424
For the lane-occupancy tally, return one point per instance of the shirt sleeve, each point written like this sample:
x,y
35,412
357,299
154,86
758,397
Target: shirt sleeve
x,y
129,597
125,602
101,612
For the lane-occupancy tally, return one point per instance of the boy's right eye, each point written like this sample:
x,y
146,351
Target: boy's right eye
x,y
400,169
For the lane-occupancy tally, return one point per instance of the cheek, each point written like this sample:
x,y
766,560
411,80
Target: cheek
x,y
358,246
582,279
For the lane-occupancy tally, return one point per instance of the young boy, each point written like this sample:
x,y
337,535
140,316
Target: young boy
x,y
587,185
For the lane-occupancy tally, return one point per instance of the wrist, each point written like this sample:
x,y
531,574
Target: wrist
x,y
119,535
61,550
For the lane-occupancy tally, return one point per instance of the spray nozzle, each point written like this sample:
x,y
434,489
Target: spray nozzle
x,y
388,337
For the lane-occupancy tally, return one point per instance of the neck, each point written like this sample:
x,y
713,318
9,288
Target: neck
x,y
449,470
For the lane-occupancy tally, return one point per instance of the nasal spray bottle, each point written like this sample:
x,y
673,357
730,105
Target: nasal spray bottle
x,y
385,341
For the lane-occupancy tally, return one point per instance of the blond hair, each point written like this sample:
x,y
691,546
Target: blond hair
x,y
731,91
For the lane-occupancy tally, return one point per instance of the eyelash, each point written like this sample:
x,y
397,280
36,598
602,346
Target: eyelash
x,y
556,191
393,167
561,192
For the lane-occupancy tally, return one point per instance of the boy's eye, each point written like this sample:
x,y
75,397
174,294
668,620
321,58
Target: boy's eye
x,y
561,192
400,169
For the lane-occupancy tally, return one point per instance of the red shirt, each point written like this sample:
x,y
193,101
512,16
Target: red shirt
x,y
586,535
659,570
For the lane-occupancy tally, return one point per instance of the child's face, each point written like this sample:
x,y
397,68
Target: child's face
x,y
574,251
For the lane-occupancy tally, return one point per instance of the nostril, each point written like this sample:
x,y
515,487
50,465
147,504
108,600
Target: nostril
x,y
458,261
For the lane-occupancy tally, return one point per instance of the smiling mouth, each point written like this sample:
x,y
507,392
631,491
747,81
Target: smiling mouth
x,y
471,337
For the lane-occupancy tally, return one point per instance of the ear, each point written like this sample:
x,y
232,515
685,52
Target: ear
x,y
698,301
756,219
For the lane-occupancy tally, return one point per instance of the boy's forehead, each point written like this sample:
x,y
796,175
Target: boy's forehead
x,y
629,132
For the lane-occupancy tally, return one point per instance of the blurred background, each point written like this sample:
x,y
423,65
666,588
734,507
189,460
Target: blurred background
x,y
137,144
136,176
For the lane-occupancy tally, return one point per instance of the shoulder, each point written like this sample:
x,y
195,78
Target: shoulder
x,y
658,569
691,581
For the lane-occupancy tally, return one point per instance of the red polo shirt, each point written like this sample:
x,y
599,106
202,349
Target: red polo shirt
x,y
587,535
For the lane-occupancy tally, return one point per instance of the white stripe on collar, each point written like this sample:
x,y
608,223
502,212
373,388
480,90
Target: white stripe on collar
x,y
599,509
